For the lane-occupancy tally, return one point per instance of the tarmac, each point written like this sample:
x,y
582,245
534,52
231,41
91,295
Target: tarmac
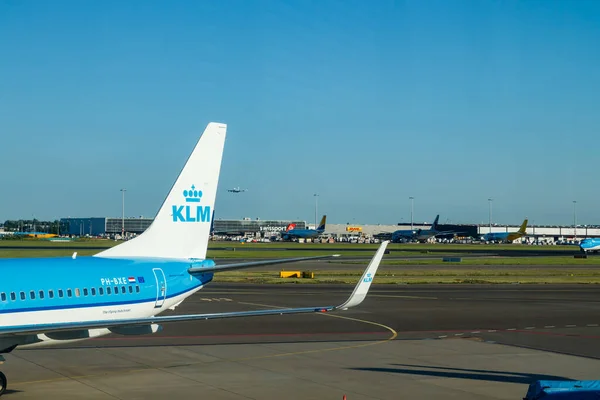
x,y
358,265
429,342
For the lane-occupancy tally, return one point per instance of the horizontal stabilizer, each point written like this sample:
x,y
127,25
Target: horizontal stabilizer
x,y
251,264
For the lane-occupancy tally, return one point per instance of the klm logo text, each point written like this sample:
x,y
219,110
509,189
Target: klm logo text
x,y
191,212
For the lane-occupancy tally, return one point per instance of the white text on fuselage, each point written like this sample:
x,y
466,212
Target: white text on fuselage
x,y
114,281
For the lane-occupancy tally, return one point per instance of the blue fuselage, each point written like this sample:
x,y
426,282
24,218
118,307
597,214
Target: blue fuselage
x,y
496,236
403,234
301,233
417,234
590,244
39,290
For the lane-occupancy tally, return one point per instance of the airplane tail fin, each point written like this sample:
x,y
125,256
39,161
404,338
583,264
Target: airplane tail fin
x,y
523,227
290,227
321,227
182,226
435,223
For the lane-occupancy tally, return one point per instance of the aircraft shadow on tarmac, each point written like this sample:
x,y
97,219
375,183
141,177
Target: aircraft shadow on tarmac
x,y
461,373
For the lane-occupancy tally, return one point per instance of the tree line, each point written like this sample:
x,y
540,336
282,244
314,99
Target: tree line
x,y
33,225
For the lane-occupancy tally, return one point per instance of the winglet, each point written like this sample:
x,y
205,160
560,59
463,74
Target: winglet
x,y
362,288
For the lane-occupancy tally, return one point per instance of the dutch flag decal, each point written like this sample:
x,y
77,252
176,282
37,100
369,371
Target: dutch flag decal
x,y
131,279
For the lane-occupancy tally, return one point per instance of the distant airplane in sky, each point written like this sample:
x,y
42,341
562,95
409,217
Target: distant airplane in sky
x,y
236,190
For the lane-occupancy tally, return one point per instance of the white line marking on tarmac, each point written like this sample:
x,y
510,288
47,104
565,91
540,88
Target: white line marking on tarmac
x,y
512,329
404,297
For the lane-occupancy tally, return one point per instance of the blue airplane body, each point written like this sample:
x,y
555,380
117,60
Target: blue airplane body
x,y
506,236
419,234
122,290
93,282
590,244
306,233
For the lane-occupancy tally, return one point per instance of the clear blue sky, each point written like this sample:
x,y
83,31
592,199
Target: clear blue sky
x,y
364,102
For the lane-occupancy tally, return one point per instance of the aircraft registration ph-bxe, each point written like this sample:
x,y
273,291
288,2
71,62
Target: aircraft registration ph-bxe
x,y
506,236
122,290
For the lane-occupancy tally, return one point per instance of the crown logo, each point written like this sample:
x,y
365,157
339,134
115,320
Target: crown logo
x,y
192,195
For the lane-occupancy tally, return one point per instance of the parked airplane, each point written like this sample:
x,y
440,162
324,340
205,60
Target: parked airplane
x,y
506,236
236,190
122,290
293,233
590,244
421,235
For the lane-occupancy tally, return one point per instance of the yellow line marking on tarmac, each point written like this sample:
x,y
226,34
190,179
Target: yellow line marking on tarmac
x,y
394,335
136,370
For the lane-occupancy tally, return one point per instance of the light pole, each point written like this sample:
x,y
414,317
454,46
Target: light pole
x,y
123,214
490,213
316,196
412,208
575,219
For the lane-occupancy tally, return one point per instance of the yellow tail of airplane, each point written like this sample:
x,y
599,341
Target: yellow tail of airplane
x,y
523,227
321,226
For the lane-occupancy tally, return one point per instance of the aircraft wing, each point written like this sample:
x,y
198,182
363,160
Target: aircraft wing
x,y
448,233
251,264
358,295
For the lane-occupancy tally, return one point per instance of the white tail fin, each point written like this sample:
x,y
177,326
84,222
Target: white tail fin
x,y
182,226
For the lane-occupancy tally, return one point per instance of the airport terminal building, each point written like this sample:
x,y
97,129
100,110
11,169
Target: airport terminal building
x,y
257,228
107,226
104,226
253,227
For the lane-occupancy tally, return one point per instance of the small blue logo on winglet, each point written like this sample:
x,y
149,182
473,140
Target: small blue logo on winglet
x,y
189,213
368,278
